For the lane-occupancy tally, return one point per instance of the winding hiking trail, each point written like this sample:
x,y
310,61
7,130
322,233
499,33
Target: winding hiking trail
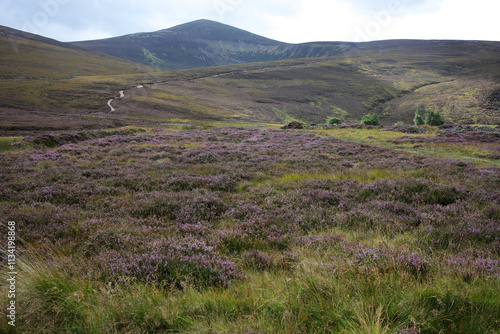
x,y
111,100
221,74
110,106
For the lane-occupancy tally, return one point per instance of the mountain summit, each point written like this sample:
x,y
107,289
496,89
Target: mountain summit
x,y
207,29
204,43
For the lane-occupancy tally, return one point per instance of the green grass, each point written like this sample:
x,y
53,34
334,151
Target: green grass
x,y
44,165
318,296
284,116
12,144
6,143
358,175
478,154
369,136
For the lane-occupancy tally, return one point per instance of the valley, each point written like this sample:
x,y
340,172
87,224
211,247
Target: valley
x,y
154,189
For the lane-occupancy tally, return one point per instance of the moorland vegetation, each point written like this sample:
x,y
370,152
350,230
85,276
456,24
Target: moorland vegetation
x,y
255,230
152,201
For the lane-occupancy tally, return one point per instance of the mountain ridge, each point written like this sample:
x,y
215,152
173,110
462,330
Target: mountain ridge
x,y
205,43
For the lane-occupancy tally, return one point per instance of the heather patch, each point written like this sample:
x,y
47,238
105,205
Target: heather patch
x,y
288,221
173,263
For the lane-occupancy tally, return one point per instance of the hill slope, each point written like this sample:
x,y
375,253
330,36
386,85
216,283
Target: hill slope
x,y
390,78
60,86
205,43
27,55
38,74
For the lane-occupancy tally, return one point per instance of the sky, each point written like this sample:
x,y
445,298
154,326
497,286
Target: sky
x,y
292,21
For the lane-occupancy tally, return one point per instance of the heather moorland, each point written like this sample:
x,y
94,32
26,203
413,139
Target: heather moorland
x,y
162,196
240,230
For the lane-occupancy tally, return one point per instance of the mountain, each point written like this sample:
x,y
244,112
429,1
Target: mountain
x,y
205,43
47,84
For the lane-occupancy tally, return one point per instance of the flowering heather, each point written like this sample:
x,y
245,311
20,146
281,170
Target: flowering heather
x,y
414,263
454,137
188,261
199,208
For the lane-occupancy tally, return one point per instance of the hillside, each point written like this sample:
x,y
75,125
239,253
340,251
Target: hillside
x,y
48,80
461,79
25,55
45,84
205,43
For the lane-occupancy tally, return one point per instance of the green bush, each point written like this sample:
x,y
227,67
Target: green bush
x,y
370,120
333,120
418,120
433,118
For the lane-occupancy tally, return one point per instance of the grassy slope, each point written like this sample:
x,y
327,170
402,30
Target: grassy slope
x,y
42,77
31,64
459,78
29,59
391,83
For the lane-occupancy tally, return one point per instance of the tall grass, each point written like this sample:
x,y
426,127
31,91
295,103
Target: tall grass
x,y
315,297
11,144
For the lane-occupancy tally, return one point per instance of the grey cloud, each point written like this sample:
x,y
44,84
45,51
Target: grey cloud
x,y
108,16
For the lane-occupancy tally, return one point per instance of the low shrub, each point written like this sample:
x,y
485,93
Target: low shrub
x,y
333,121
172,263
370,120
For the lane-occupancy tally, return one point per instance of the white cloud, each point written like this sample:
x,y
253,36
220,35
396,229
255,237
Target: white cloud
x,y
389,19
317,21
285,20
454,19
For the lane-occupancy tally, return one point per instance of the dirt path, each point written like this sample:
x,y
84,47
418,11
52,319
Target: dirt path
x,y
111,100
110,106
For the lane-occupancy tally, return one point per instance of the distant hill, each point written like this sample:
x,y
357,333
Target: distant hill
x,y
27,55
39,74
206,43
46,84
15,34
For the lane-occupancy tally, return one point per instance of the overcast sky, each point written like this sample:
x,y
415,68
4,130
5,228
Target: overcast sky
x,y
292,21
